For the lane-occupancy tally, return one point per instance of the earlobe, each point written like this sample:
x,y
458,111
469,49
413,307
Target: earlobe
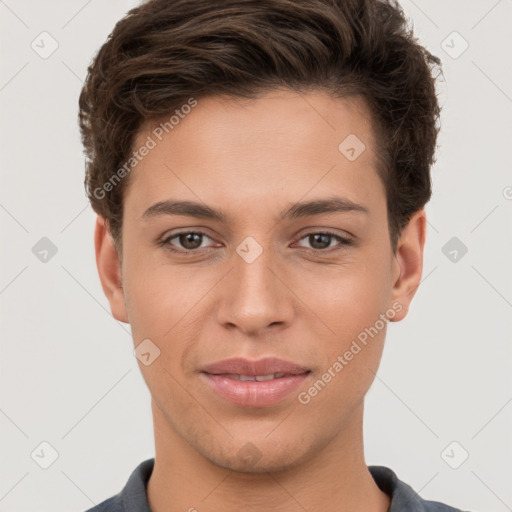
x,y
109,270
409,264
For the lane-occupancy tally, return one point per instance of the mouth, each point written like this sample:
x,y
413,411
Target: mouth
x,y
268,366
259,378
254,383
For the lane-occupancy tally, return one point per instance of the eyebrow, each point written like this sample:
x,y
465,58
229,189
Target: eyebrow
x,y
295,211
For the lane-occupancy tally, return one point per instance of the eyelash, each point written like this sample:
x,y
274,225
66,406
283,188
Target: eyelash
x,y
342,241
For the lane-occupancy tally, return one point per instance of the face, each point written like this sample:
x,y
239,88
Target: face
x,y
266,277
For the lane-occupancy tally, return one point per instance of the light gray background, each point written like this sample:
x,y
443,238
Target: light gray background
x,y
68,374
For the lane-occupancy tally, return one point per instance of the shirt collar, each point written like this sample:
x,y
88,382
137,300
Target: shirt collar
x,y
133,497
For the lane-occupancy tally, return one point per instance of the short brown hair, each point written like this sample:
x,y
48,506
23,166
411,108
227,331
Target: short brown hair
x,y
165,52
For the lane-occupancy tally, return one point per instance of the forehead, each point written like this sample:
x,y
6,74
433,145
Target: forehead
x,y
276,148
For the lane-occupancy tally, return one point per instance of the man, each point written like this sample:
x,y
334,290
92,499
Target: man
x,y
259,170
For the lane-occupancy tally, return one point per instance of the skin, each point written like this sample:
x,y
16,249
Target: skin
x,y
299,300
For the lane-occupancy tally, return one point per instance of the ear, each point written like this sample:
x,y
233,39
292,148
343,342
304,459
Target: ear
x,y
109,270
408,263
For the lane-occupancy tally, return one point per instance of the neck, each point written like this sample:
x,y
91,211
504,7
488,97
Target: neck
x,y
335,478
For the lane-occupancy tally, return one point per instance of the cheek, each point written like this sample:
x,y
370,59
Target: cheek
x,y
351,349
157,296
350,301
348,298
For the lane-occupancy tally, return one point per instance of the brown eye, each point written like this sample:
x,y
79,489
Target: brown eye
x,y
322,240
190,240
186,241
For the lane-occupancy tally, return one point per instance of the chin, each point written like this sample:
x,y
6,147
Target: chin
x,y
256,458
265,464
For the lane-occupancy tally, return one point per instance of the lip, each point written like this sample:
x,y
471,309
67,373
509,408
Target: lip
x,y
264,366
254,393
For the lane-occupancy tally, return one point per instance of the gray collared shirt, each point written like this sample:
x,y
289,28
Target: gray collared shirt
x,y
133,497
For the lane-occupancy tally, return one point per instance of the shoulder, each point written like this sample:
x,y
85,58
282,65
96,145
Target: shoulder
x,y
112,504
132,497
403,497
436,506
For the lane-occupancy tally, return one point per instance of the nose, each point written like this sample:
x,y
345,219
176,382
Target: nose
x,y
255,295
